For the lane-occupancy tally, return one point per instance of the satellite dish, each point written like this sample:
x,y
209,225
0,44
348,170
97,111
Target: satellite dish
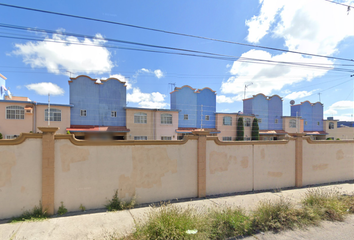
x,y
9,94
292,102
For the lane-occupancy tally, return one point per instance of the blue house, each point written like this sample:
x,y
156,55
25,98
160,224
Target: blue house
x,y
196,108
2,87
268,111
312,114
98,106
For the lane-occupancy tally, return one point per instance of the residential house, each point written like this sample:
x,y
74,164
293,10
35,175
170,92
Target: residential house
x,y
336,131
226,123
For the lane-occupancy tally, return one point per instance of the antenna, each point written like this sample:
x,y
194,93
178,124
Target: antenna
x,y
246,86
70,73
319,96
172,85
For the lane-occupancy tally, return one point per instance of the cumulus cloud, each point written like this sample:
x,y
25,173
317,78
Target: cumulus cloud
x,y
304,26
158,73
147,100
45,88
65,54
300,94
340,105
224,99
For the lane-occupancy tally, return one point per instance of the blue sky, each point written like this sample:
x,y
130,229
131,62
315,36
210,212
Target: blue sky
x,y
316,27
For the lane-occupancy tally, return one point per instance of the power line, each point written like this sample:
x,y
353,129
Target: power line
x,y
169,32
339,3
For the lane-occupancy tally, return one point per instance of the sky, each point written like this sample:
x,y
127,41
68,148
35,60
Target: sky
x,y
36,68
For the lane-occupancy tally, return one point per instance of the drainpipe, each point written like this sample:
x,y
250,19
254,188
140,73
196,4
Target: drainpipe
x,y
34,116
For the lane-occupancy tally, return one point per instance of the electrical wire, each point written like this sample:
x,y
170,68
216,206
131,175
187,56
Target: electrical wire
x,y
169,32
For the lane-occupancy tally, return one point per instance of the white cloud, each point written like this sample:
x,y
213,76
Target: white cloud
x,y
67,55
224,99
300,94
340,105
45,88
147,100
158,73
304,26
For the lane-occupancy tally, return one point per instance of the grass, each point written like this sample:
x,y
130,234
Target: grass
x,y
173,222
36,214
116,204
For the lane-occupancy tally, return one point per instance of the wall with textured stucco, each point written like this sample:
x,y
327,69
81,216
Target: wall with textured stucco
x,y
20,177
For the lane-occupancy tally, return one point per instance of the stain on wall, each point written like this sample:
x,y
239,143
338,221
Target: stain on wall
x,y
340,154
275,174
319,167
244,162
68,158
149,166
7,161
220,161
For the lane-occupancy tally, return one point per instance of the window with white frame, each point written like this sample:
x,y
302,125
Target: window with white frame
x,y
11,136
166,118
185,117
114,114
140,138
140,117
276,120
292,123
15,112
207,117
166,138
227,138
227,120
83,113
247,122
331,125
55,115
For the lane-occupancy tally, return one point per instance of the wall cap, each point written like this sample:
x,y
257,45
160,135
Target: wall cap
x,y
218,142
201,132
48,129
297,134
20,139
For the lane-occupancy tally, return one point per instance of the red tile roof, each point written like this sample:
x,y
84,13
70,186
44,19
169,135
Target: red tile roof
x,y
315,132
85,128
279,132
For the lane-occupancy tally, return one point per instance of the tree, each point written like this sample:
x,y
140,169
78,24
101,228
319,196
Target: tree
x,y
0,135
255,129
239,129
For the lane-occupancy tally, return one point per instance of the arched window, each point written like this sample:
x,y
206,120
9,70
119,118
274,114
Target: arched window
x,y
55,115
292,123
166,118
140,117
331,125
227,120
15,112
247,122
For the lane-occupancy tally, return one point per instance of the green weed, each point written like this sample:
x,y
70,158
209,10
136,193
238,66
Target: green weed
x,y
36,214
116,204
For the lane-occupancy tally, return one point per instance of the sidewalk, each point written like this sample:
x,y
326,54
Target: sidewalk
x,y
96,223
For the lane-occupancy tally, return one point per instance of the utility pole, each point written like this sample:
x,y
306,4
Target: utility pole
x,y
201,117
246,86
48,109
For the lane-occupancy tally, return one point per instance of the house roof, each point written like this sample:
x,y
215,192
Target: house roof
x,y
315,132
272,132
189,130
85,128
152,109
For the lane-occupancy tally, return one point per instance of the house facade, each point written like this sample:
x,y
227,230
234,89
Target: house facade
x,y
226,123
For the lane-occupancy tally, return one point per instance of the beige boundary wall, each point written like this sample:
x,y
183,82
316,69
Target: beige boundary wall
x,y
54,168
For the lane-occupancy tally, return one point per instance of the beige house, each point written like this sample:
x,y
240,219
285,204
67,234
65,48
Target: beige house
x,y
21,115
335,132
151,124
226,124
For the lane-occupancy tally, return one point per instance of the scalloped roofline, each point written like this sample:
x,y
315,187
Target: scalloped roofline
x,y
312,104
92,79
267,97
105,80
95,79
193,89
199,90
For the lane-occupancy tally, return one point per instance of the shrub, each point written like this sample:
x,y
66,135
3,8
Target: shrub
x,y
82,208
171,222
1,136
229,222
62,210
115,204
239,129
68,132
36,214
255,129
337,138
328,204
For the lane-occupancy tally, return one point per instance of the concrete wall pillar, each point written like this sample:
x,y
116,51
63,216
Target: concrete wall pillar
x,y
298,158
48,168
201,161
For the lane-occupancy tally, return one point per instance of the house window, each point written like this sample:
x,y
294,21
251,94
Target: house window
x,y
83,113
276,120
331,125
166,118
227,138
15,112
185,117
11,136
292,123
227,121
318,123
207,117
166,138
259,120
305,122
140,118
55,115
114,114
140,138
247,122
